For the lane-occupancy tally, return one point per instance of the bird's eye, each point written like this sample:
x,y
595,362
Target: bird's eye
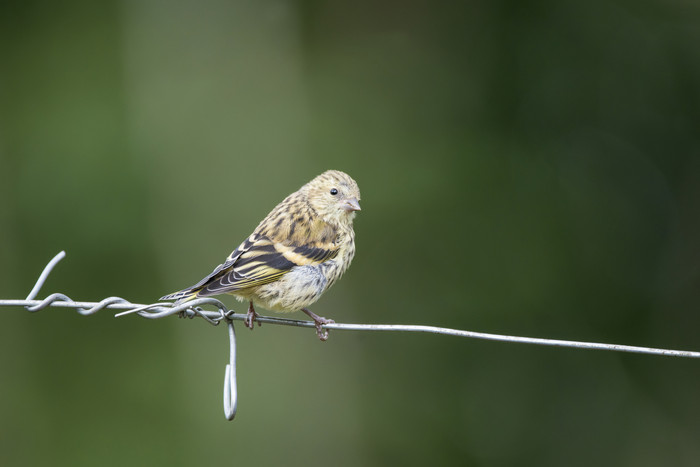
x,y
334,191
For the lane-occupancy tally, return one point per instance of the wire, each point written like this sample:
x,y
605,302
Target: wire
x,y
193,308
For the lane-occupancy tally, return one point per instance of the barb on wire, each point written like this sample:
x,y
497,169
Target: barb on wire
x,y
193,308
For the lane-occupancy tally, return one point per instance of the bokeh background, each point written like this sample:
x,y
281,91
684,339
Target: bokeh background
x,y
527,168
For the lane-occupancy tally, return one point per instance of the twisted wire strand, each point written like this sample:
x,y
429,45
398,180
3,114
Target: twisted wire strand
x,y
153,311
84,309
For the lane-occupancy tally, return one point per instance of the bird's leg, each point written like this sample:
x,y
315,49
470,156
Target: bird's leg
x,y
251,317
320,332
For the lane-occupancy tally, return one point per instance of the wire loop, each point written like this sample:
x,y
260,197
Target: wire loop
x,y
230,389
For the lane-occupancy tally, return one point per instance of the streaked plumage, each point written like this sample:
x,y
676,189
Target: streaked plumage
x,y
294,255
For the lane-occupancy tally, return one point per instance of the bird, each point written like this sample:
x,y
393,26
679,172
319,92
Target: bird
x,y
296,253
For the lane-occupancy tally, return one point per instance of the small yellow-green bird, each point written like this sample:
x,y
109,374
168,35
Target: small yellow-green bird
x,y
294,255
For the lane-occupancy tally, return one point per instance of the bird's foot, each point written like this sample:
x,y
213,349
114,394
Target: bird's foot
x,y
319,321
251,317
193,311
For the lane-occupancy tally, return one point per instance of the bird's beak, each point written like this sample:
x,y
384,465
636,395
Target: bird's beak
x,y
352,204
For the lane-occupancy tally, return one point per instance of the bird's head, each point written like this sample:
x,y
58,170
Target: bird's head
x,y
335,196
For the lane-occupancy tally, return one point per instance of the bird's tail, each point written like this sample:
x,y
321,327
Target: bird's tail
x,y
182,296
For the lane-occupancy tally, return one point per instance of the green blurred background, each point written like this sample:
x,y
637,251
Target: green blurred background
x,y
527,168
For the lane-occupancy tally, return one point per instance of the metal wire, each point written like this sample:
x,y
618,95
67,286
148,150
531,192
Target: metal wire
x,y
230,391
193,308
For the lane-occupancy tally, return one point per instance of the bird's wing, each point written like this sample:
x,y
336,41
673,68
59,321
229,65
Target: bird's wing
x,y
260,260
222,269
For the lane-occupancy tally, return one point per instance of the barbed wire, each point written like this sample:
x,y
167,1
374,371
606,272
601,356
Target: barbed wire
x,y
193,308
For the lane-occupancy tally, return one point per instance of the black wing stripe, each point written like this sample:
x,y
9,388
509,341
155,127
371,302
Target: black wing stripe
x,y
271,260
316,254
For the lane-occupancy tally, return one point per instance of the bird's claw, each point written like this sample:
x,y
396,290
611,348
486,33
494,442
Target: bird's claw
x,y
183,313
319,321
320,332
251,317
